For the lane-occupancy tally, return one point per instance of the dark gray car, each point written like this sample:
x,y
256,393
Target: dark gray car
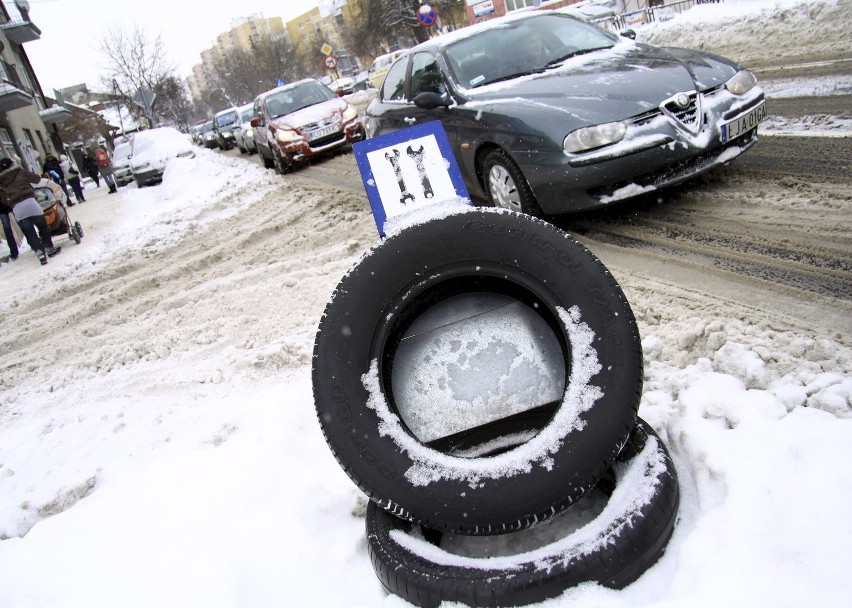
x,y
550,114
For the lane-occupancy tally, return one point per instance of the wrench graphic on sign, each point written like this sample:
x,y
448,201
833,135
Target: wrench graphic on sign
x,y
418,156
394,161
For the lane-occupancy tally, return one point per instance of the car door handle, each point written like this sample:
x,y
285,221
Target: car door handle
x,y
409,121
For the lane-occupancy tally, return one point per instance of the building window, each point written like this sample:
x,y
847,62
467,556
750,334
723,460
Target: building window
x,y
513,5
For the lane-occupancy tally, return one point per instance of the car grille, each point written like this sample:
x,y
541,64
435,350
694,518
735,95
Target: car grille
x,y
685,109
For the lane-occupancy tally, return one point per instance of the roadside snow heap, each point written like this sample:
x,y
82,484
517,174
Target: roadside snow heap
x,y
478,376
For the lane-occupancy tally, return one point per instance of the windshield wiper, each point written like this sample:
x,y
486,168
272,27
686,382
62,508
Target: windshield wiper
x,y
559,60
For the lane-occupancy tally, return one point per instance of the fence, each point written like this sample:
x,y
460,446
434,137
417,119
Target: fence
x,y
648,14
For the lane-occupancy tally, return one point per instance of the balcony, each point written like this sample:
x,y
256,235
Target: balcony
x,y
13,98
13,94
54,114
21,31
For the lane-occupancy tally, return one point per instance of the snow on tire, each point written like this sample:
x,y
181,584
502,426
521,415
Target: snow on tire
x,y
504,474
633,516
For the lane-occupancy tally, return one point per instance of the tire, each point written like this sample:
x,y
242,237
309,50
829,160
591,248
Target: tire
x,y
506,185
614,549
281,167
576,437
79,228
268,163
75,236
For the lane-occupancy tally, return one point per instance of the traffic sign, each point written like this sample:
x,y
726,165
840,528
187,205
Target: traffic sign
x,y
331,62
326,49
427,15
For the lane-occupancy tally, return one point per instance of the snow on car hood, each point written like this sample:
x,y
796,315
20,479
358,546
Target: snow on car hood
x,y
310,114
611,84
156,146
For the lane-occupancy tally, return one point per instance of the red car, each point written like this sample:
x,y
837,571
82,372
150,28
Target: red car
x,y
297,121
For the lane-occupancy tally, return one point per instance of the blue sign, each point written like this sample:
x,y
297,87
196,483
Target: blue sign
x,y
279,83
408,170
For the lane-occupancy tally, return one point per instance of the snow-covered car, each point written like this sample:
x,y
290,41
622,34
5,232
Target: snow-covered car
x,y
153,150
381,65
547,113
121,163
224,123
298,121
342,86
243,133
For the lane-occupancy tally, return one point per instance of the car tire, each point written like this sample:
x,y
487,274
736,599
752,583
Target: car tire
x,y
628,536
281,167
506,185
268,163
476,250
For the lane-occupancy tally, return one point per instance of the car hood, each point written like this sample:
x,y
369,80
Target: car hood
x,y
310,115
624,81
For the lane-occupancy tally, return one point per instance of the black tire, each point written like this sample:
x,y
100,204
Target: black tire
x,y
268,163
614,549
478,250
75,236
281,167
79,228
506,186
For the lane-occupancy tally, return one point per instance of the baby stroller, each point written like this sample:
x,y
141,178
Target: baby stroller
x,y
56,215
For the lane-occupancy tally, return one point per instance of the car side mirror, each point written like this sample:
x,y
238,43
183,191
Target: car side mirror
x,y
430,101
255,122
629,34
339,92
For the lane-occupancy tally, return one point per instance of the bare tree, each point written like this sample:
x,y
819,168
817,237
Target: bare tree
x,y
135,61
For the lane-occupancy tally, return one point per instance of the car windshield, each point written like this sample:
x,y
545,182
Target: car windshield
x,y
293,99
522,47
226,119
122,153
247,114
207,126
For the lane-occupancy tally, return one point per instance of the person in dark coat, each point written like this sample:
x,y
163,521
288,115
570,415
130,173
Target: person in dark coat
x,y
90,166
52,165
16,192
73,177
11,239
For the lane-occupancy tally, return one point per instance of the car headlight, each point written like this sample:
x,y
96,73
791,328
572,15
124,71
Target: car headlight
x,y
139,166
589,138
349,113
742,82
285,135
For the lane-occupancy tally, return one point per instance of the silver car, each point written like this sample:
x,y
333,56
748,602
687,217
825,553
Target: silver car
x,y
243,133
121,163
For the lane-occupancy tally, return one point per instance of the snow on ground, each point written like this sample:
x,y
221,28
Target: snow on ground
x,y
158,443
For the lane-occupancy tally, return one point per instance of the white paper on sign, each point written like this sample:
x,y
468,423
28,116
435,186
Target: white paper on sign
x,y
410,175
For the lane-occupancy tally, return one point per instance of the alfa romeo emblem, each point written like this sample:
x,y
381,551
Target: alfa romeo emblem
x,y
682,100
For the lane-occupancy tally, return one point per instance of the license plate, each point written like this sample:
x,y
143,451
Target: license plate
x,y
322,132
746,122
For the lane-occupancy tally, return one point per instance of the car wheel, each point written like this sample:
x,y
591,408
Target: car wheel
x,y
611,537
280,166
522,465
506,185
268,163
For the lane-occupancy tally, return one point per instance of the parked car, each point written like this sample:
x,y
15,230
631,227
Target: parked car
x,y
297,121
207,137
381,65
243,133
223,124
153,150
342,86
362,81
121,163
547,113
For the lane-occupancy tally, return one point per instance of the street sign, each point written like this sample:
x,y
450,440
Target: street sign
x,y
326,49
331,62
427,15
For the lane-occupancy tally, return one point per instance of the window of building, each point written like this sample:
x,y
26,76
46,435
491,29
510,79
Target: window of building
x,y
513,5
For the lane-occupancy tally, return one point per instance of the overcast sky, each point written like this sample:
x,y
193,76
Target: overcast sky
x,y
67,52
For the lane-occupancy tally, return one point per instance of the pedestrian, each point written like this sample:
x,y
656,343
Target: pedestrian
x,y
73,178
90,166
47,181
105,167
52,165
11,239
16,191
